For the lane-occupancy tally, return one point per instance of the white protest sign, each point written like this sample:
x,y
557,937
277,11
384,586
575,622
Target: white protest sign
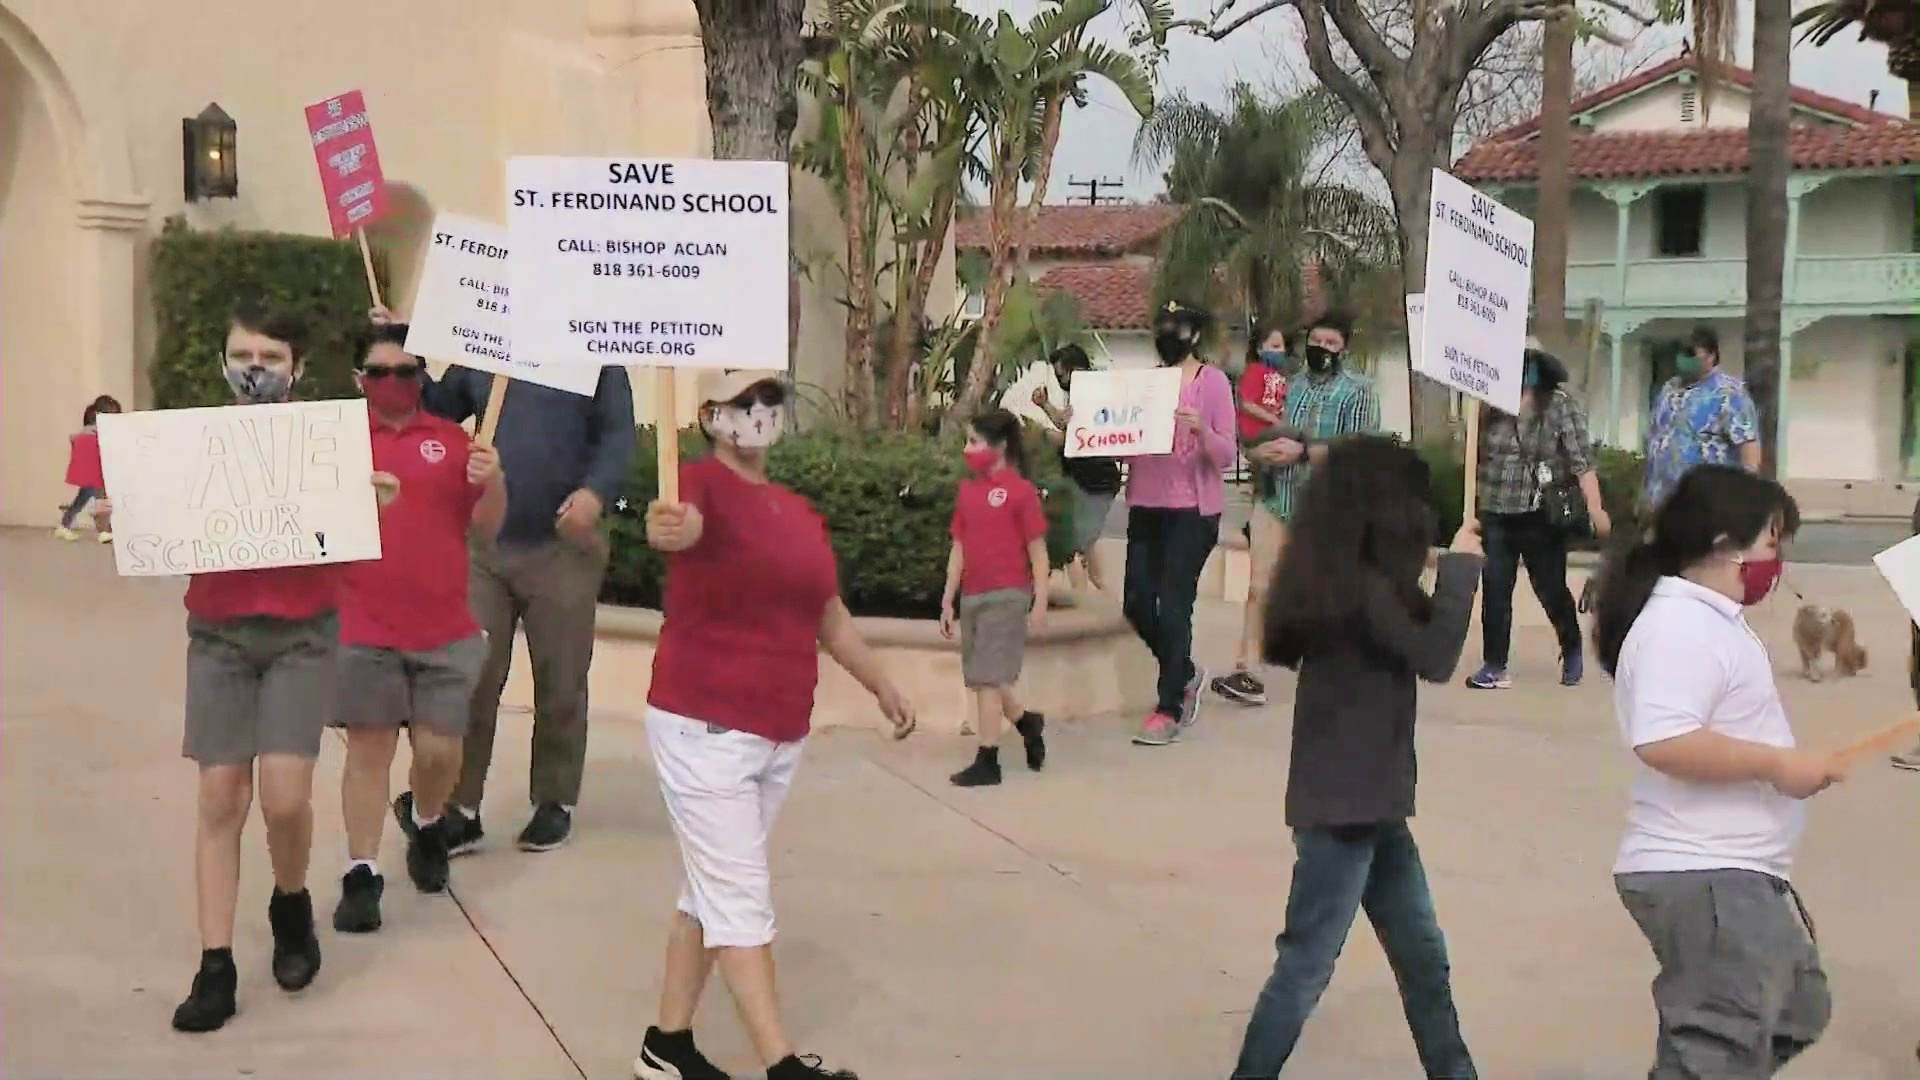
x,y
460,310
1479,275
240,487
1900,565
649,262
1125,413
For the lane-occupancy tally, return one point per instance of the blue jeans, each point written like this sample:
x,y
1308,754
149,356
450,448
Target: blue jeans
x,y
81,497
1337,872
1166,551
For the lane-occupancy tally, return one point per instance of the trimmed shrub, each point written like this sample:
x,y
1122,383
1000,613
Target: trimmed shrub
x,y
888,501
198,277
1622,479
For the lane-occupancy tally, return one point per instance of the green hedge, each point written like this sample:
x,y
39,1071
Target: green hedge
x,y
888,501
1622,477
198,277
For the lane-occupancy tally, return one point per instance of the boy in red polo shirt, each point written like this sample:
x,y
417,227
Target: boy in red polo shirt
x,y
410,650
260,686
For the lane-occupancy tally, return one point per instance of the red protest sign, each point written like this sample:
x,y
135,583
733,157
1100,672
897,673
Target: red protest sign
x,y
349,164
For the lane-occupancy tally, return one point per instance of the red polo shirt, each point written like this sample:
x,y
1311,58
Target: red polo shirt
x,y
1263,386
294,593
414,597
995,517
83,461
740,646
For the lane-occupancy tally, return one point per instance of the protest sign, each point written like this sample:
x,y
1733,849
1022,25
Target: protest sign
x,y
240,487
461,308
1900,565
1122,413
649,262
350,174
1479,276
1416,316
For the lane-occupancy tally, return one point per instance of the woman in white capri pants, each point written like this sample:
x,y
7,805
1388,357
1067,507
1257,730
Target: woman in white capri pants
x,y
752,595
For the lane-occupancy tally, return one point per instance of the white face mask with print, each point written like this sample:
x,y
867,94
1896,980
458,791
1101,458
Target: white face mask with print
x,y
753,428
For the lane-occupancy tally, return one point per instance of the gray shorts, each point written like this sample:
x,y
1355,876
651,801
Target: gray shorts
x,y
993,637
258,686
1740,990
386,688
1090,512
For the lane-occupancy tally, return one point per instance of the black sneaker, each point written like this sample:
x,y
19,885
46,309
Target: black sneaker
x,y
427,857
673,1057
1032,727
359,909
462,833
210,1003
550,827
806,1067
1241,688
984,772
296,951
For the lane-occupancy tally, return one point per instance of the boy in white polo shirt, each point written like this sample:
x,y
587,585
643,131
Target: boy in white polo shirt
x,y
1716,806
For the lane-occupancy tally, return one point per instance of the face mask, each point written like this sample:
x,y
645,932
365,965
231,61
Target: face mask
x,y
1689,366
1758,577
753,428
981,460
392,395
1275,359
1320,359
1172,345
1529,377
258,384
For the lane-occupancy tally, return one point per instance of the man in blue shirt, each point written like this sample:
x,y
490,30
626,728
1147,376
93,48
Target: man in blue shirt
x,y
541,576
1703,416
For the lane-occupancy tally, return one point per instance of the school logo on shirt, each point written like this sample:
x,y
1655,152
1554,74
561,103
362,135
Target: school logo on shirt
x,y
997,497
433,451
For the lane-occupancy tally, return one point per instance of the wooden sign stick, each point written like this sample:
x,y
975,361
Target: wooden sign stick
x,y
366,260
489,420
666,433
1877,742
1469,502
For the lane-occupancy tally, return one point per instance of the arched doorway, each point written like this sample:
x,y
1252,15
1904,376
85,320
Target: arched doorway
x,y
46,381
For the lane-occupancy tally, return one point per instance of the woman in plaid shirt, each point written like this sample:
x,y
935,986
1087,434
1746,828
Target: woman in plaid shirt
x,y
1545,445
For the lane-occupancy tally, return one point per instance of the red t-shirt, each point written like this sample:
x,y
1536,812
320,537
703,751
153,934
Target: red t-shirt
x,y
83,461
295,593
414,597
740,645
995,517
1263,386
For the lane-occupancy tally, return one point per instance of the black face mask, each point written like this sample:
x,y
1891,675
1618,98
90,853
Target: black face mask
x,y
1321,359
1172,345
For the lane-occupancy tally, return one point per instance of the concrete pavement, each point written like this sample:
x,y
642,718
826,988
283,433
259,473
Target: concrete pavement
x,y
1111,918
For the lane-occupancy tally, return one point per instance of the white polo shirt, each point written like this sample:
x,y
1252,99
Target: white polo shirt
x,y
1691,662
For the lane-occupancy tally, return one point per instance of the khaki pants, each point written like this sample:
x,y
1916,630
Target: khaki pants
x,y
550,590
1268,540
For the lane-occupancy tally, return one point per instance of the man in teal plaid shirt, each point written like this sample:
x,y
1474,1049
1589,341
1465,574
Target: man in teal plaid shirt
x,y
1324,402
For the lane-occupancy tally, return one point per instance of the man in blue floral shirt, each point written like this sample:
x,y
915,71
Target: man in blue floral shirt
x,y
1704,417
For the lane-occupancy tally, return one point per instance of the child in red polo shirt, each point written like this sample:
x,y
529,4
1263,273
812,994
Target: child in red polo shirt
x,y
998,570
85,474
410,651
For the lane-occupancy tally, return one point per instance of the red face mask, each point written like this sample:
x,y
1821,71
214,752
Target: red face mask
x,y
392,395
1758,577
981,460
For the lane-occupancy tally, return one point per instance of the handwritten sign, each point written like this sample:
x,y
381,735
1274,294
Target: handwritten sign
x,y
240,487
349,164
1125,413
648,262
462,310
1479,277
1900,565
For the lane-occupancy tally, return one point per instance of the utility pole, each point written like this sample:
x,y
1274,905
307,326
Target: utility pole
x,y
1555,210
1093,186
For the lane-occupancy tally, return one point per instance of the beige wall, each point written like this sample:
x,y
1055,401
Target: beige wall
x,y
91,98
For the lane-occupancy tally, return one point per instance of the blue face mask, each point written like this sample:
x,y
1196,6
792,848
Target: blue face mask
x,y
1529,377
1275,359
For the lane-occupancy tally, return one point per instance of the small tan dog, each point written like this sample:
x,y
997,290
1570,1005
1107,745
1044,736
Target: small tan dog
x,y
1819,630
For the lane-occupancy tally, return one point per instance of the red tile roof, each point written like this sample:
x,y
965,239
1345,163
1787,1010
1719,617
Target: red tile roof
x,y
1113,296
1710,152
1079,231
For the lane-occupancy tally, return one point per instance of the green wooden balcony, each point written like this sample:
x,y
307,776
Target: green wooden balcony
x,y
1834,284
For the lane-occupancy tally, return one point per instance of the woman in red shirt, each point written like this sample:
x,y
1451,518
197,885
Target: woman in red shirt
x,y
752,595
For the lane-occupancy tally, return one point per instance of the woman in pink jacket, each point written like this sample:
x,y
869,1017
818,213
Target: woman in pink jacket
x,y
1173,519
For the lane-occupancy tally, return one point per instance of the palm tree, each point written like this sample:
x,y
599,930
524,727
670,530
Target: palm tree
x,y
1893,23
1260,210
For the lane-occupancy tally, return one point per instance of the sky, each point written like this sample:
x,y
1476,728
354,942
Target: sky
x,y
1097,141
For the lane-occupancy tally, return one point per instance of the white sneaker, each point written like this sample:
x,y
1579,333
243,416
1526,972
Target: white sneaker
x,y
63,533
106,536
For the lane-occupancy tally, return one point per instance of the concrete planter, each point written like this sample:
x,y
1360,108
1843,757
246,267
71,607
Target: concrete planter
x,y
1086,664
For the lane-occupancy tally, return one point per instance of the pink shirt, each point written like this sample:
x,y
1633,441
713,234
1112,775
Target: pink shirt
x,y
1189,477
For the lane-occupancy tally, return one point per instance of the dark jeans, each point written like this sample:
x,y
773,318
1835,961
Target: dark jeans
x,y
1337,872
81,497
1166,550
1510,541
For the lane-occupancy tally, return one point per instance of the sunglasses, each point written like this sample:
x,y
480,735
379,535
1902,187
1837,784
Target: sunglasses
x,y
381,371
766,393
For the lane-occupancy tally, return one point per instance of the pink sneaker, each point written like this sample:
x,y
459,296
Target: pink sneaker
x,y
1159,730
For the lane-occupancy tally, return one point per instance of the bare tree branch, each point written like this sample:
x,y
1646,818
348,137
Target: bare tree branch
x,y
1376,132
1218,32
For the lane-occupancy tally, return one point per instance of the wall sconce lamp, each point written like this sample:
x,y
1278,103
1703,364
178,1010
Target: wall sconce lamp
x,y
209,155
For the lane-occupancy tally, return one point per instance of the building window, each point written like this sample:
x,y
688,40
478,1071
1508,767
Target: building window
x,y
1679,221
973,305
